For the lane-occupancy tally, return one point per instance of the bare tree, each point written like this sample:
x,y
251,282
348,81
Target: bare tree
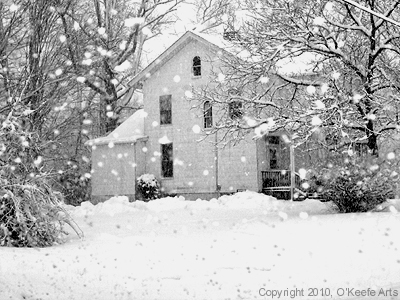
x,y
348,86
105,41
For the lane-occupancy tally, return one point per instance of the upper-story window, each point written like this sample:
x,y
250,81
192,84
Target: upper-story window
x,y
208,117
197,66
235,110
165,110
235,106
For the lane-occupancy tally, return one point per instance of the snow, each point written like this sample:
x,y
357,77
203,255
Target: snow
x,y
233,247
130,130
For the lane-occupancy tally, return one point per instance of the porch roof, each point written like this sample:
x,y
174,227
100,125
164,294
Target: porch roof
x,y
130,131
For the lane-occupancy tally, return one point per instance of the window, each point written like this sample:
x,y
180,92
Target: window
x,y
273,140
235,110
208,121
196,66
165,110
361,149
167,163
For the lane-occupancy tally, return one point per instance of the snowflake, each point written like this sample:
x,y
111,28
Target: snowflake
x,y
188,94
319,21
81,79
58,72
302,173
147,31
335,75
319,104
324,88
122,45
196,129
63,38
316,121
14,7
311,89
391,155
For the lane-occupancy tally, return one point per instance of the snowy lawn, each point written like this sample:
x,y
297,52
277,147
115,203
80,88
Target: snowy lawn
x,y
245,246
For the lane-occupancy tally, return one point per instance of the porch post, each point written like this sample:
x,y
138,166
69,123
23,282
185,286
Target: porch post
x,y
292,172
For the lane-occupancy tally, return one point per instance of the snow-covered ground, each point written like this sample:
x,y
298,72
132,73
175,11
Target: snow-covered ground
x,y
245,246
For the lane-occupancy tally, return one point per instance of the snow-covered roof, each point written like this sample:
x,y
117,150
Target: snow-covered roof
x,y
131,130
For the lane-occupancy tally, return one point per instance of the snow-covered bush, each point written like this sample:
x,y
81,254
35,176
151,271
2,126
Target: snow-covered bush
x,y
75,186
31,212
356,185
148,187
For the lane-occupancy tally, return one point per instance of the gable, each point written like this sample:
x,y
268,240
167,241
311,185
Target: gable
x,y
179,68
215,44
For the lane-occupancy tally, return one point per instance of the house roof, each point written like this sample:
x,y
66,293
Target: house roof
x,y
215,42
131,130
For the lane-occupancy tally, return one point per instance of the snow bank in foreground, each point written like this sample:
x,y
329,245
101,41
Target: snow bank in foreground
x,y
238,201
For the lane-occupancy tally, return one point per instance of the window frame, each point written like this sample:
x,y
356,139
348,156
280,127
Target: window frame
x,y
360,149
165,102
196,66
207,115
167,160
235,110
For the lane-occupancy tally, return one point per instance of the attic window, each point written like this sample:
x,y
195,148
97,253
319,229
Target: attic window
x,y
196,66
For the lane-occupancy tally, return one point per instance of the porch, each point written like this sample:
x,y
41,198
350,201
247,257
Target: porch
x,y
277,183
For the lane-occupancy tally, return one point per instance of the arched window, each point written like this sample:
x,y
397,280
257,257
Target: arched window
x,y
196,66
208,121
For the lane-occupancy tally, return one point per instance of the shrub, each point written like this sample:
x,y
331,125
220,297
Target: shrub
x,y
148,187
356,185
75,186
30,216
31,212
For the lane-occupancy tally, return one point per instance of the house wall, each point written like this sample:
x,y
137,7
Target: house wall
x,y
113,171
195,161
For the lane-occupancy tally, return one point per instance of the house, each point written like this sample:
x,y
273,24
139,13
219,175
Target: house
x,y
164,138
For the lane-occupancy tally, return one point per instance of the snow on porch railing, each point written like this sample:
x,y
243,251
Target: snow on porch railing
x,y
278,179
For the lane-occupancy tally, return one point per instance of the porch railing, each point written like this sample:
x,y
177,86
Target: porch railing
x,y
273,179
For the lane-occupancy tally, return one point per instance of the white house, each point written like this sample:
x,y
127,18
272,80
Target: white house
x,y
164,138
